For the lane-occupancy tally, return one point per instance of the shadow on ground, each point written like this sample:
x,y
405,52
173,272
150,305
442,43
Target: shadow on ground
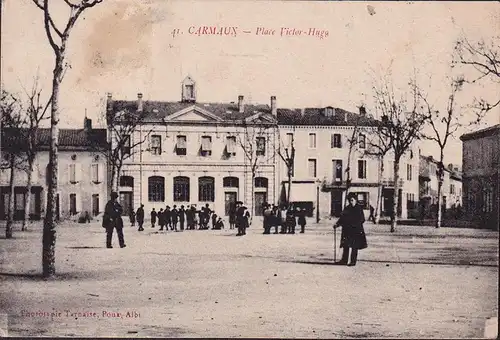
x,y
61,276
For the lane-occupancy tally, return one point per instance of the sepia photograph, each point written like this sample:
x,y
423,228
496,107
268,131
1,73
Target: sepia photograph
x,y
249,169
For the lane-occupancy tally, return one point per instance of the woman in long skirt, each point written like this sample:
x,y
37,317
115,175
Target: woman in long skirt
x,y
353,234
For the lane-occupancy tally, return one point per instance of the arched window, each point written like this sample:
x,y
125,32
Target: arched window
x,y
126,181
156,189
231,182
260,182
206,190
181,189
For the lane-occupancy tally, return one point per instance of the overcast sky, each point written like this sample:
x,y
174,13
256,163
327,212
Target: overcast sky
x,y
126,47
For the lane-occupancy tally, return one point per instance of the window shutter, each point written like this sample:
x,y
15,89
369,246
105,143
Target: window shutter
x,y
78,172
70,173
78,203
101,172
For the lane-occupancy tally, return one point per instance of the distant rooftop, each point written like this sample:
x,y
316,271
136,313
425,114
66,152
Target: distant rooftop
x,y
489,131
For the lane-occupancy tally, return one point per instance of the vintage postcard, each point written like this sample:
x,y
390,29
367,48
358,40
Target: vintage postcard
x,y
265,169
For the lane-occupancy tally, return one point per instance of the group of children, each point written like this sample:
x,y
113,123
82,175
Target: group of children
x,y
285,217
191,218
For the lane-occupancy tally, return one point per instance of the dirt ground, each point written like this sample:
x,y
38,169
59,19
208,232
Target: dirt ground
x,y
419,282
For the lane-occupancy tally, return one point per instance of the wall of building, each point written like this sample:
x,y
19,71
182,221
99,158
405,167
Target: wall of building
x,y
305,184
144,164
83,187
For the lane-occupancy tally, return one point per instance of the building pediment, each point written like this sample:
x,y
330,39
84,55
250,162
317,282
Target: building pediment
x,y
193,114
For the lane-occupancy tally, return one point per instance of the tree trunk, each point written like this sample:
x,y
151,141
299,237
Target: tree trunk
x,y
395,204
27,203
10,213
252,200
379,190
50,222
289,186
440,198
116,179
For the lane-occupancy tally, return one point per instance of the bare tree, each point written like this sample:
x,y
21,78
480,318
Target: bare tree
x,y
123,126
484,57
287,155
402,122
352,141
378,147
12,122
443,126
36,113
255,141
58,39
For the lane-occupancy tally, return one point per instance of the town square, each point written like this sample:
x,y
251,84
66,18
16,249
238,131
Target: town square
x,y
251,169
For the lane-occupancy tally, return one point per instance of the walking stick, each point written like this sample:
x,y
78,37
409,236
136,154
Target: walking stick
x,y
334,244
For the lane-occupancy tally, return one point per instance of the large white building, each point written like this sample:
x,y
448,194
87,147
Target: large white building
x,y
200,153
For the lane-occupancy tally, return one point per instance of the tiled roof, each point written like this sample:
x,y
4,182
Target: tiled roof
x,y
489,131
69,139
315,116
157,110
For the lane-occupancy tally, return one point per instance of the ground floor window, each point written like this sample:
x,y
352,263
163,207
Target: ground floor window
x,y
156,189
362,198
206,190
181,189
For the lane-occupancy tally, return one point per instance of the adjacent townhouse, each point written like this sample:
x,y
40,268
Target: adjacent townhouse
x,y
322,139
82,185
481,175
451,192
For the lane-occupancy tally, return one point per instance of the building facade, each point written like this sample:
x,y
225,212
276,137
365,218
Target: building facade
x,y
199,153
82,174
218,153
481,173
451,192
322,139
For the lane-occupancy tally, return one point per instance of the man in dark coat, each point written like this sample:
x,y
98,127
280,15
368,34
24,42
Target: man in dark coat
x,y
161,219
182,217
174,217
153,217
353,234
168,218
139,215
112,219
301,213
240,218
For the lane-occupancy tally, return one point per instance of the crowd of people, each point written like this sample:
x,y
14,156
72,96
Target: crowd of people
x,y
178,219
284,219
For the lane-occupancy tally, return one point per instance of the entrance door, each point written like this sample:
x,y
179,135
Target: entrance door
x,y
229,201
336,203
126,202
72,204
95,204
388,200
260,199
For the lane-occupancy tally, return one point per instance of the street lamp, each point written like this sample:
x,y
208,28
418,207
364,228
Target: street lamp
x,y
318,182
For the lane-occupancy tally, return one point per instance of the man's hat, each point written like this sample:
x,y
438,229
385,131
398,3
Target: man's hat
x,y
114,194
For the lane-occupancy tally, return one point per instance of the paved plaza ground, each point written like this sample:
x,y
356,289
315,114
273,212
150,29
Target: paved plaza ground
x,y
419,282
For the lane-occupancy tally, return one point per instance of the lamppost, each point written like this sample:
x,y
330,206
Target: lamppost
x,y
318,182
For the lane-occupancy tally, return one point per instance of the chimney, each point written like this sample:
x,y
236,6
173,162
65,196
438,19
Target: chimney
x,y
241,105
109,103
274,109
450,167
362,111
87,124
139,102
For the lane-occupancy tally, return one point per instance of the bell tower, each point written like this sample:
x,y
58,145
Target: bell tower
x,y
188,90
